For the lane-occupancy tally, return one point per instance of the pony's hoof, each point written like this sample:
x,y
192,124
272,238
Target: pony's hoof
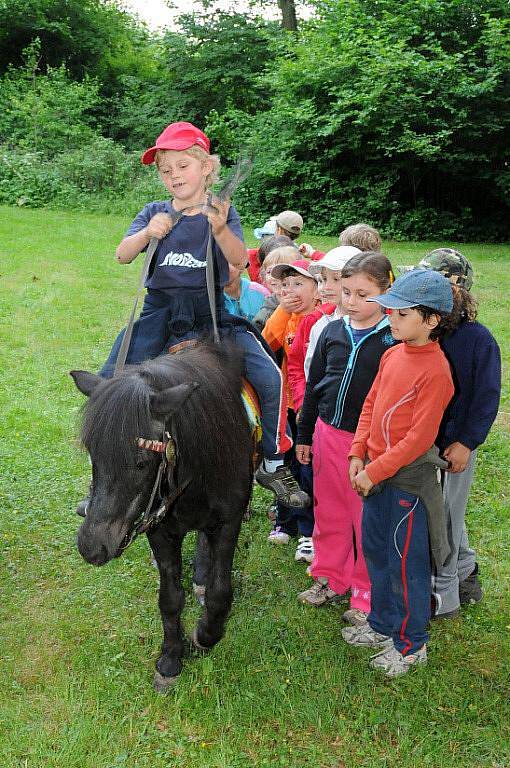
x,y
199,592
196,644
161,684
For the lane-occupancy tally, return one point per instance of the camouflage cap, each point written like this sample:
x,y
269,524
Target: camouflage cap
x,y
450,263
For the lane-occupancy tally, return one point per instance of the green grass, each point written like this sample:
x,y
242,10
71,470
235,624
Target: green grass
x,y
79,644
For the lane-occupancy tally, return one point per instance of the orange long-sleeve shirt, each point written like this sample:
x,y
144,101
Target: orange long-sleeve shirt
x,y
279,332
403,410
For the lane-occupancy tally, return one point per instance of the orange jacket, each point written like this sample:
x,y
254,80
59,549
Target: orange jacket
x,y
403,410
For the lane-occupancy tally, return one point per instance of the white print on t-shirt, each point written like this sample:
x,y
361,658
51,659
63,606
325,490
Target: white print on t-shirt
x,y
182,260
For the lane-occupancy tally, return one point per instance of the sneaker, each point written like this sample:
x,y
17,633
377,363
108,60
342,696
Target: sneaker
x,y
470,590
319,594
435,609
354,617
392,663
284,485
277,536
304,551
366,637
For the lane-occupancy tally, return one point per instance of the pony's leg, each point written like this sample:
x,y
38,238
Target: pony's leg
x,y
201,562
218,595
167,551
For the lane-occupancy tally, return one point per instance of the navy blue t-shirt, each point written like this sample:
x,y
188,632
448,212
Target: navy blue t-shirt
x,y
180,257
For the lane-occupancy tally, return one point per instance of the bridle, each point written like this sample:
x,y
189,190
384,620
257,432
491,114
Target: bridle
x,y
153,515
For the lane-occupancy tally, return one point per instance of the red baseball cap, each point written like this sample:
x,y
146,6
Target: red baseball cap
x,y
177,136
301,266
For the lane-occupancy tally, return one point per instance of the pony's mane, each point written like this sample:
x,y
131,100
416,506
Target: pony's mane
x,y
209,427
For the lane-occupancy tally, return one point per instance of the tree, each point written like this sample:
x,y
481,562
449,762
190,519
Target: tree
x,y
289,18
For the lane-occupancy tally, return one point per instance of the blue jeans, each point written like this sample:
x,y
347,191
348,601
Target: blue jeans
x,y
396,547
167,319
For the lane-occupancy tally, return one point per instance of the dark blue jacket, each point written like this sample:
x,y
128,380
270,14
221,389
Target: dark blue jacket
x,y
475,360
341,374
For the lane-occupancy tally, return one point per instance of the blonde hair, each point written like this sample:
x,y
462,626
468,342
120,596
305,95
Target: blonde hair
x,y
361,236
286,254
198,154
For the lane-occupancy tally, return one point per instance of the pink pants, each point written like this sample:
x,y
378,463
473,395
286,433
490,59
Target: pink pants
x,y
338,511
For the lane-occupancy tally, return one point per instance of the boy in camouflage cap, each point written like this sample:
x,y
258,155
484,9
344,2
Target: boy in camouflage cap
x,y
475,359
450,263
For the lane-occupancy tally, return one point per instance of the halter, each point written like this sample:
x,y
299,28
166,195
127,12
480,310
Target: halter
x,y
149,518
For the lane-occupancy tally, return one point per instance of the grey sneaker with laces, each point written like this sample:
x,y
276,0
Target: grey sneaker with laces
x,y
366,637
284,486
354,617
470,590
319,594
393,664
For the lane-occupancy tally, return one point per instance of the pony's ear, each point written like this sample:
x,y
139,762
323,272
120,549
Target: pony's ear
x,y
170,400
85,381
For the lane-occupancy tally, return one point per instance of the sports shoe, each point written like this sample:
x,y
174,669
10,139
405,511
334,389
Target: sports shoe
x,y
366,637
392,663
304,551
470,590
435,608
319,594
354,617
277,536
284,485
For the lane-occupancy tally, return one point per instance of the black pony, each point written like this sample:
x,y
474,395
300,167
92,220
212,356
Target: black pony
x,y
171,451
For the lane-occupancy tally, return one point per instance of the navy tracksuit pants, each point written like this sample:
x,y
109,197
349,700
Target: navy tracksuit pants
x,y
396,547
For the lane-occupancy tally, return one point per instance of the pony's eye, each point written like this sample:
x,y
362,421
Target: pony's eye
x,y
140,464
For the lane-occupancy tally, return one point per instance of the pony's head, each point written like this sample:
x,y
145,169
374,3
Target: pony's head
x,y
127,431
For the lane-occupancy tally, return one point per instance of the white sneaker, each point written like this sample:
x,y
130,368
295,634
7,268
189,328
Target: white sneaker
x,y
393,664
304,551
277,536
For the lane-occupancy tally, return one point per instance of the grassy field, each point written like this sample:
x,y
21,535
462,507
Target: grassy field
x,y
79,644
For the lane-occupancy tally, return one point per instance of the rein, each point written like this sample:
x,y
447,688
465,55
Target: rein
x,y
149,517
241,172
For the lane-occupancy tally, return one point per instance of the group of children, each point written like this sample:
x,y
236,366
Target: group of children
x,y
375,393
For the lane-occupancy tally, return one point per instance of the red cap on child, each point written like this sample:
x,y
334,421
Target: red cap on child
x,y
177,136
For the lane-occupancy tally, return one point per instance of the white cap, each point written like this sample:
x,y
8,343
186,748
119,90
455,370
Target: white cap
x,y
335,259
269,228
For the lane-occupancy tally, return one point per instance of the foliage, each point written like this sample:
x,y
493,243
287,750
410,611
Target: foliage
x,y
407,98
389,111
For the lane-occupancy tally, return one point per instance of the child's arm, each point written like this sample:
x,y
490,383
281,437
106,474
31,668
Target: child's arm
x,y
129,248
296,360
359,444
275,328
310,407
230,245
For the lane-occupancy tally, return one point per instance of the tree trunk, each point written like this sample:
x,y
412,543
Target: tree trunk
x,y
289,19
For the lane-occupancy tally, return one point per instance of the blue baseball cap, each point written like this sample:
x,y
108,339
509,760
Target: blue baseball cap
x,y
419,287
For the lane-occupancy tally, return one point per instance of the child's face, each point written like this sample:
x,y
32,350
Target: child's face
x,y
330,286
271,282
303,290
409,326
184,176
355,292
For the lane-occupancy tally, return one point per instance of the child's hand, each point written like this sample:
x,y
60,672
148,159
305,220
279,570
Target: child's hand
x,y
355,467
217,213
362,483
304,453
458,456
291,304
306,250
159,226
